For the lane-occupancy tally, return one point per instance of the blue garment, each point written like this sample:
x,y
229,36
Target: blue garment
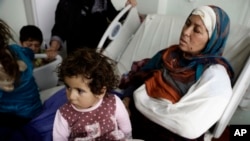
x,y
24,100
43,124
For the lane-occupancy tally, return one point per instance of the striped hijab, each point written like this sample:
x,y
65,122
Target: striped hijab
x,y
176,73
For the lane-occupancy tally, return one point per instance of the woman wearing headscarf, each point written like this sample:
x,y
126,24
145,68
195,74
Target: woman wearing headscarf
x,y
182,91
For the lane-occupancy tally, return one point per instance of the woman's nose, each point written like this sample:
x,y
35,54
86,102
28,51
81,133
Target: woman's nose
x,y
187,31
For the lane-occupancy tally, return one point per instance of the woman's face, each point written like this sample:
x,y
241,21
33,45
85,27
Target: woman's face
x,y
194,35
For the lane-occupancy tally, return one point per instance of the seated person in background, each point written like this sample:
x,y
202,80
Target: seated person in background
x,y
182,91
31,37
91,113
19,96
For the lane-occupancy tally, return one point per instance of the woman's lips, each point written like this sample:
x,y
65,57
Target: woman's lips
x,y
183,41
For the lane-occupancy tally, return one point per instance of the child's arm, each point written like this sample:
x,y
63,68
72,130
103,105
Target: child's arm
x,y
122,118
60,128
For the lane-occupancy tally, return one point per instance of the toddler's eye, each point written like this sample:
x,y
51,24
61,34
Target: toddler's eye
x,y
66,86
80,91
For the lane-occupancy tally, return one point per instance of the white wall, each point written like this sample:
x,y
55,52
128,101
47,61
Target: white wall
x,y
13,13
44,14
18,13
148,6
238,10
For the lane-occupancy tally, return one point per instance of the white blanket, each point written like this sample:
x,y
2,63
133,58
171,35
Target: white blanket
x,y
197,111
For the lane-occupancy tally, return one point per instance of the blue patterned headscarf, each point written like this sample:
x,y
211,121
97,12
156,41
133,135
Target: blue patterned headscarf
x,y
212,53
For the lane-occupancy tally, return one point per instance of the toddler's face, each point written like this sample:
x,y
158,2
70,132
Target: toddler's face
x,y
32,44
79,93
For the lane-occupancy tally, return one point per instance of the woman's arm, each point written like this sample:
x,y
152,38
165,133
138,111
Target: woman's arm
x,y
59,30
197,111
132,2
61,19
119,4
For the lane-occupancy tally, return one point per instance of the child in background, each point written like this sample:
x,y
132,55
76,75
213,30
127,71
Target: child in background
x,y
19,95
31,37
91,111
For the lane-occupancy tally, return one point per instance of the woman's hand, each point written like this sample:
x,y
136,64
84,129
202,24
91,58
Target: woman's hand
x,y
132,2
51,54
52,51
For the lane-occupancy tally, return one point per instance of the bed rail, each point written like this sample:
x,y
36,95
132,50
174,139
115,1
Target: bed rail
x,y
120,32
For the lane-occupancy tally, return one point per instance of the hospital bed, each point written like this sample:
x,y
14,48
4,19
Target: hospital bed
x,y
132,40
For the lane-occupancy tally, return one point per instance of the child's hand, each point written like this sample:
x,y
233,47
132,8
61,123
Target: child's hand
x,y
132,2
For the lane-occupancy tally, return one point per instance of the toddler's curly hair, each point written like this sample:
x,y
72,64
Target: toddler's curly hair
x,y
92,65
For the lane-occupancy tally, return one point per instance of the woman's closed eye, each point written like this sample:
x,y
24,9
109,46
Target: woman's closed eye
x,y
197,30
